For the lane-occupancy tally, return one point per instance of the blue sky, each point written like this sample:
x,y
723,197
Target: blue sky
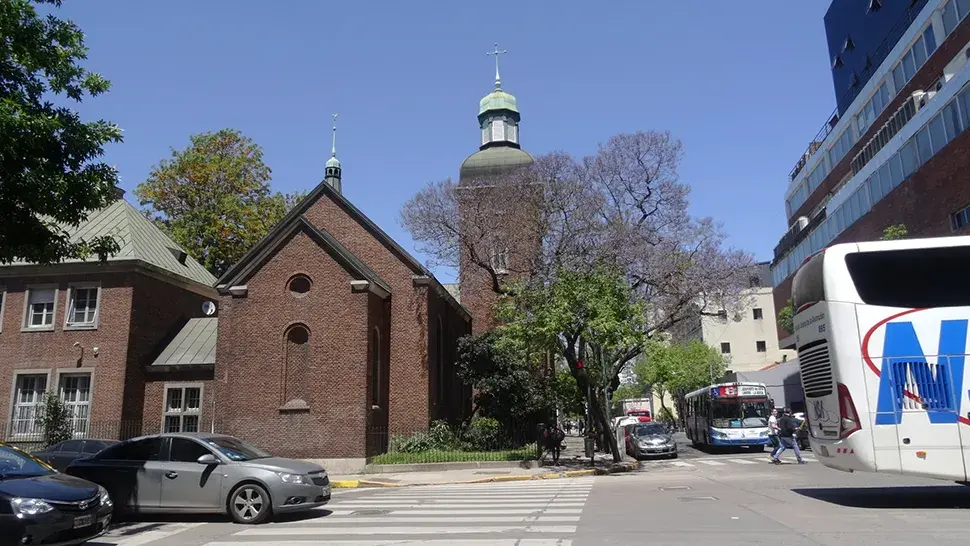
x,y
744,85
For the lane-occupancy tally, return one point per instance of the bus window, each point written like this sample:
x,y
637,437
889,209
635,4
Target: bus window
x,y
808,286
915,278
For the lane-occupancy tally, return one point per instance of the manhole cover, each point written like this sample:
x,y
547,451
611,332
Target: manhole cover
x,y
675,488
371,512
695,499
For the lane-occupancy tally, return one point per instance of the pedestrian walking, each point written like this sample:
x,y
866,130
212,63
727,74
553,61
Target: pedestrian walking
x,y
786,436
773,432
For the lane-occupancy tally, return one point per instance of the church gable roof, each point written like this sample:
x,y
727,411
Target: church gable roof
x,y
296,213
280,235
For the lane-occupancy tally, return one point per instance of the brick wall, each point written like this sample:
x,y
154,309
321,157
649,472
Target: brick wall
x,y
924,78
408,375
455,404
249,368
54,350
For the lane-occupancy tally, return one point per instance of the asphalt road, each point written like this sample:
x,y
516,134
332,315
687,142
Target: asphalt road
x,y
698,498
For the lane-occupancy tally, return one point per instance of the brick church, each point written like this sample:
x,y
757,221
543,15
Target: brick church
x,y
324,340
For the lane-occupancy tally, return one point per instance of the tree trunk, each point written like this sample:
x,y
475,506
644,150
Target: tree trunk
x,y
599,413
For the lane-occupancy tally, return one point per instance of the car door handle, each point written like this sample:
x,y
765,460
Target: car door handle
x,y
171,475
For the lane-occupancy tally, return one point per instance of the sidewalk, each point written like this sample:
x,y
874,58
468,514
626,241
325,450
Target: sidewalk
x,y
572,463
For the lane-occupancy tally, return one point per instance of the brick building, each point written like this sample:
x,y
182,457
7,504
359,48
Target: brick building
x,y
332,337
94,332
896,149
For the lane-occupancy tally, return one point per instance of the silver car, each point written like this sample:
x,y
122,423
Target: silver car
x,y
204,473
649,440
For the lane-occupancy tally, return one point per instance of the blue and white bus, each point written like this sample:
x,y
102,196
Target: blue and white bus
x,y
729,415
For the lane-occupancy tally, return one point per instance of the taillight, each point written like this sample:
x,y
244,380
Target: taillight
x,y
850,417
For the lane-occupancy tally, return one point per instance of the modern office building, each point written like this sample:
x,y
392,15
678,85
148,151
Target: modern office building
x,y
895,151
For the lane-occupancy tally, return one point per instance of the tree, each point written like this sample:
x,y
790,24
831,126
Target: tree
x,y
786,317
48,157
568,396
213,198
56,420
672,368
591,318
507,387
895,232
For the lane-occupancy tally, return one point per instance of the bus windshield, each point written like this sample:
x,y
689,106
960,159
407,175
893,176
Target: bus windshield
x,y
740,413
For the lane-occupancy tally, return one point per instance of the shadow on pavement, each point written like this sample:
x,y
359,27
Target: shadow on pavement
x,y
923,497
127,524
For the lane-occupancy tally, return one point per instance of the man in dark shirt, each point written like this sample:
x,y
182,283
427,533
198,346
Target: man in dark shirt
x,y
786,434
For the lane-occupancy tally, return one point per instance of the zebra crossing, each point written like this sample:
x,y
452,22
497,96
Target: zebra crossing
x,y
533,513
721,461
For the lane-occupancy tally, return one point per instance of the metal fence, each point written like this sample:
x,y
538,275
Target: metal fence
x,y
32,438
486,440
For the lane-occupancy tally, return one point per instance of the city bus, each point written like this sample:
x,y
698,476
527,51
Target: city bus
x,y
729,415
881,334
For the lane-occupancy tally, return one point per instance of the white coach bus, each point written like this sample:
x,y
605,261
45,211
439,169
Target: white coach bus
x,y
881,334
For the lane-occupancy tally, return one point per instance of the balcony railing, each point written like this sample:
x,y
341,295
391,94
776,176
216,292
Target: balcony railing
x,y
877,57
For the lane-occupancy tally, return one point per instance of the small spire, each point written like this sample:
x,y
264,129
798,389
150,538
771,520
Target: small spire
x,y
496,52
333,149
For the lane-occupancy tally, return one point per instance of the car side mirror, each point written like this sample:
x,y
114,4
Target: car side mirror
x,y
207,459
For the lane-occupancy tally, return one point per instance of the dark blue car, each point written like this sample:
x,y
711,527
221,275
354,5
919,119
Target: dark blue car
x,y
39,505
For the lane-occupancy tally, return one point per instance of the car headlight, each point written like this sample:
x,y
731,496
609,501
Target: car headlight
x,y
105,497
29,507
719,434
292,478
764,434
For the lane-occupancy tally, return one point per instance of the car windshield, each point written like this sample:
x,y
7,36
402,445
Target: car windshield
x,y
17,464
236,449
740,413
649,429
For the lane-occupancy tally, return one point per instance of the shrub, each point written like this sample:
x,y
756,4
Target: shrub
x,y
439,437
56,420
484,434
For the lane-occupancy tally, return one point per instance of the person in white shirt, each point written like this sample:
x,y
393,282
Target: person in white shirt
x,y
773,432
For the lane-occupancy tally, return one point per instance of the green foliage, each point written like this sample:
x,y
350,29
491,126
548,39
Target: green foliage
x,y
895,232
666,415
524,453
569,398
507,386
56,420
213,198
786,317
48,156
673,367
484,434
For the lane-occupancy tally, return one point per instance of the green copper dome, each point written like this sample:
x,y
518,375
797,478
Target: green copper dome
x,y
493,161
497,100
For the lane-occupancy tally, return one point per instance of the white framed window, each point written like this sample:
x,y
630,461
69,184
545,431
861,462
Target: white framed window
x,y
41,302
500,258
28,400
75,390
82,306
183,408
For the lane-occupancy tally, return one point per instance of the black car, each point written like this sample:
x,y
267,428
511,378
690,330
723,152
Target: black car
x,y
62,454
39,505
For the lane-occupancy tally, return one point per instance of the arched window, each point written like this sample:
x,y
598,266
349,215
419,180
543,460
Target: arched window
x,y
296,374
375,367
299,285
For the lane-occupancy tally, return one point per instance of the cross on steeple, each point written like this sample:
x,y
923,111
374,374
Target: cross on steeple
x,y
496,52
333,150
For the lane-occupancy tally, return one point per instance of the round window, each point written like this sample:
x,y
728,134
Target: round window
x,y
299,286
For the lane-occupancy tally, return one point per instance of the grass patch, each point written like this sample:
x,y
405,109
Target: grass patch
x,y
526,453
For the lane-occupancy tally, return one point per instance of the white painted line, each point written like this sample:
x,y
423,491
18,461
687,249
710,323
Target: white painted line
x,y
682,463
520,511
398,542
710,463
398,505
144,537
742,461
434,500
441,530
481,493
332,521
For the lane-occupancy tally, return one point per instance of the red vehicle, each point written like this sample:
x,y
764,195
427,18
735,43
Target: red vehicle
x,y
642,415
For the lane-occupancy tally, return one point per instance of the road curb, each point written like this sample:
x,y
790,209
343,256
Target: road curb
x,y
616,469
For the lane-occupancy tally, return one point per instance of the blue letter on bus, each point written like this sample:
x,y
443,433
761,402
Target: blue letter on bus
x,y
940,392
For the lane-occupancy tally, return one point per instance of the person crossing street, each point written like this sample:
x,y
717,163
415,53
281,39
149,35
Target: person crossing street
x,y
786,437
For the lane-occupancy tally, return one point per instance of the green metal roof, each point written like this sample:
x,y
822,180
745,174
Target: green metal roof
x,y
195,344
138,239
493,161
497,100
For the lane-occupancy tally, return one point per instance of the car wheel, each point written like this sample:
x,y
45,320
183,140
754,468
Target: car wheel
x,y
249,504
